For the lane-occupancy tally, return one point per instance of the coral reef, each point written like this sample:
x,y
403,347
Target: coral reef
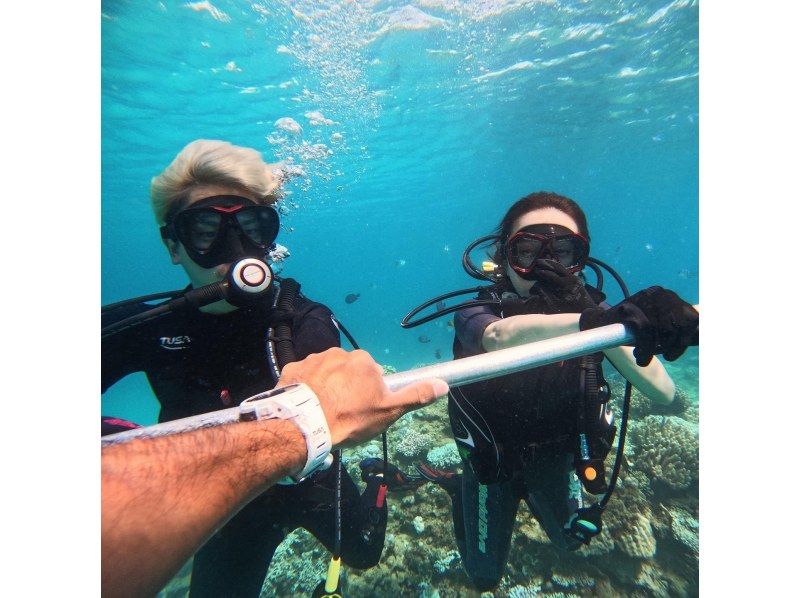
x,y
299,564
666,450
529,591
445,456
419,525
413,444
684,527
638,540
444,564
571,579
600,544
650,578
648,546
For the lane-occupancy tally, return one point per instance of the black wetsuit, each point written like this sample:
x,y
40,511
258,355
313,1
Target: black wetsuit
x,y
519,431
197,362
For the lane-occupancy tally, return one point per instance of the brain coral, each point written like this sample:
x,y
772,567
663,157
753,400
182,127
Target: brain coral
x,y
666,450
638,539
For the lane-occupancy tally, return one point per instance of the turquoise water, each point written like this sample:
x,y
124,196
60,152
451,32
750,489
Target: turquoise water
x,y
421,123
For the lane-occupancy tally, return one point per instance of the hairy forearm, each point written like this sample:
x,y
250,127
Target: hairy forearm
x,y
157,511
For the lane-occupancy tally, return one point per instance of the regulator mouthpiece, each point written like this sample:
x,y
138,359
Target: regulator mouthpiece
x,y
248,279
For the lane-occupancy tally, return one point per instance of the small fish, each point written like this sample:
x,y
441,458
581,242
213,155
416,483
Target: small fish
x,y
438,354
424,339
399,263
352,297
440,305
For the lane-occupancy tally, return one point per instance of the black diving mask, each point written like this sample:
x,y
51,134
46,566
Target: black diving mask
x,y
223,229
545,241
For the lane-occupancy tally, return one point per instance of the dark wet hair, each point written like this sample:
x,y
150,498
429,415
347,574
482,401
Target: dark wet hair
x,y
537,201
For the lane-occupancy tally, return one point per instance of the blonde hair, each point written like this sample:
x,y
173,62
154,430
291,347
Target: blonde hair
x,y
212,162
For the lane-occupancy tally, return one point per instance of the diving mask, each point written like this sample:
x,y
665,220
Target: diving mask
x,y
222,229
545,241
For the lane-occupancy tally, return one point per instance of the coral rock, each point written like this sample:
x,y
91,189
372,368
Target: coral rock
x,y
638,540
602,543
667,449
444,457
413,444
685,528
650,578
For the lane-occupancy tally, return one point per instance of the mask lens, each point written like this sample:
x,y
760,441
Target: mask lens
x,y
565,250
524,251
571,251
198,229
259,224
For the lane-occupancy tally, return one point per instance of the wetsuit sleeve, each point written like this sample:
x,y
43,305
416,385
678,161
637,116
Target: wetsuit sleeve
x,y
314,330
120,353
470,325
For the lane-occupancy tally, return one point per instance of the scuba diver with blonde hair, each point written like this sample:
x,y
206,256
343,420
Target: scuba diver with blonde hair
x,y
226,337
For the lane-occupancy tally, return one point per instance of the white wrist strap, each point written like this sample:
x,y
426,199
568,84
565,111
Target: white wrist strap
x,y
298,404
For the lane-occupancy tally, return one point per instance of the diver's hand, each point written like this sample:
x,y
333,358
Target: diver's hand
x,y
563,291
357,403
662,323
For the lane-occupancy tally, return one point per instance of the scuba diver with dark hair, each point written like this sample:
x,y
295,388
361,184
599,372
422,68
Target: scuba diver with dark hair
x,y
541,434
234,332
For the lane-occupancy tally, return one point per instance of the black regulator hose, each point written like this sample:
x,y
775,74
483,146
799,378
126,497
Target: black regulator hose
x,y
590,263
144,299
407,323
623,287
245,282
466,262
194,298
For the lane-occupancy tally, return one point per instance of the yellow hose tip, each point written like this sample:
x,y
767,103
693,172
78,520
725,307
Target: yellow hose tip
x,y
332,581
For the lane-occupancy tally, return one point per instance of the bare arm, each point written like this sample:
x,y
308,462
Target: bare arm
x,y
162,498
653,380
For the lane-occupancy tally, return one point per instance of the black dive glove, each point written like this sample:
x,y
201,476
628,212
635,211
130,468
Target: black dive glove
x,y
661,322
562,291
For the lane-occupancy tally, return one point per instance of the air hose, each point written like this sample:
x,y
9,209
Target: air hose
x,y
284,347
